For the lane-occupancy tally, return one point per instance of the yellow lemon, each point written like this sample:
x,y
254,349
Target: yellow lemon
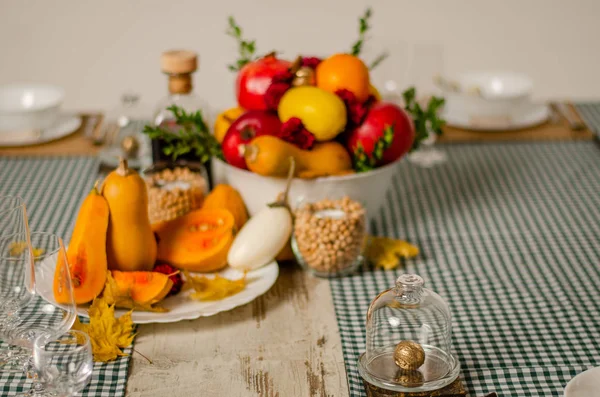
x,y
321,112
224,120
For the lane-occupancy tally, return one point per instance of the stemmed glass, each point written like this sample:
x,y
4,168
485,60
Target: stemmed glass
x,y
425,64
47,261
64,363
416,65
16,275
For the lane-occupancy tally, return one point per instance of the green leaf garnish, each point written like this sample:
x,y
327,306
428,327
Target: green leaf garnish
x,y
193,136
425,120
363,28
364,162
246,49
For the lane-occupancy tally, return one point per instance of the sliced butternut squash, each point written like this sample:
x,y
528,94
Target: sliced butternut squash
x,y
198,241
86,253
145,288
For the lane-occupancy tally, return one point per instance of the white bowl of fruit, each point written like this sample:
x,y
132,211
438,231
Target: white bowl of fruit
x,y
325,115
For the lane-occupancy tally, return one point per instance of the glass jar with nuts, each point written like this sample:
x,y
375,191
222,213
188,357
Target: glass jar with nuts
x,y
328,236
174,189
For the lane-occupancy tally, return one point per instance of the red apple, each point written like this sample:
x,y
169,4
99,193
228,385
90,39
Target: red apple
x,y
255,78
371,134
251,124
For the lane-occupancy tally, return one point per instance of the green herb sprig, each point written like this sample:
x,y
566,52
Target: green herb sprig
x,y
363,162
193,136
425,120
246,49
363,28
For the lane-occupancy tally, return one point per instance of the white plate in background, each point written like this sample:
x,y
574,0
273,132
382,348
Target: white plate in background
x,y
531,116
65,125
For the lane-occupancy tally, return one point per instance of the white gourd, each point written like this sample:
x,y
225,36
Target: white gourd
x,y
261,239
265,234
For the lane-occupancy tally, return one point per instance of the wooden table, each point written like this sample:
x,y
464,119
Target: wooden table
x,y
285,343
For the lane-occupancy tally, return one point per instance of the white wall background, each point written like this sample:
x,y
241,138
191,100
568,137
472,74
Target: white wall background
x,y
98,49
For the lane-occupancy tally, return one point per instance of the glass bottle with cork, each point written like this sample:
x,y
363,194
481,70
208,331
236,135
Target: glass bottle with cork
x,y
178,65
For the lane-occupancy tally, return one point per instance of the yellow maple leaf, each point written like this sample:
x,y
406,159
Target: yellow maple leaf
x,y
212,289
108,335
386,252
122,298
16,248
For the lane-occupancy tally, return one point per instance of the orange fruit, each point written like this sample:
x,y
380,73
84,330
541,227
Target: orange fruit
x,y
344,71
224,120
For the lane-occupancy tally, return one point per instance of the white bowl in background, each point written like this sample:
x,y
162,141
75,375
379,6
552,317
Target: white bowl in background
x,y
25,107
368,188
482,95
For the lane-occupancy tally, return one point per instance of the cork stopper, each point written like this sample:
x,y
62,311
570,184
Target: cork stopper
x,y
178,62
179,65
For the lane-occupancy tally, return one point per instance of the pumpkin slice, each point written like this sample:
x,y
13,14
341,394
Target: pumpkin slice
x,y
198,241
86,253
143,287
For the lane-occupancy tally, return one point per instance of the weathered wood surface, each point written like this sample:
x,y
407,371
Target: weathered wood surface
x,y
285,343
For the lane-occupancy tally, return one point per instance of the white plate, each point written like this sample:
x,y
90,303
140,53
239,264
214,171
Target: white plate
x,y
530,117
586,384
180,306
65,125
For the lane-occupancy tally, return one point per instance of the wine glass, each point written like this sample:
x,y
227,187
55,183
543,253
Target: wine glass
x,y
50,269
413,65
52,278
16,278
63,363
424,64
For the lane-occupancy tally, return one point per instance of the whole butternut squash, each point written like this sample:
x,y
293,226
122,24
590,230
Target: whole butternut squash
x,y
270,156
130,243
86,253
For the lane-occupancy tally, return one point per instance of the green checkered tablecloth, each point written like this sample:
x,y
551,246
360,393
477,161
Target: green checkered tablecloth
x,y
590,112
510,237
53,188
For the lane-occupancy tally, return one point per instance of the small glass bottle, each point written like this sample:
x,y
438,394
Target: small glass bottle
x,y
122,134
178,65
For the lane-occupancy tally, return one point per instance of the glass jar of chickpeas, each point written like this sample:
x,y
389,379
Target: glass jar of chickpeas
x,y
329,235
174,189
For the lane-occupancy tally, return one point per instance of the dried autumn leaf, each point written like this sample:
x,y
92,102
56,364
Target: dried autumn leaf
x,y
108,335
386,252
122,298
16,248
211,289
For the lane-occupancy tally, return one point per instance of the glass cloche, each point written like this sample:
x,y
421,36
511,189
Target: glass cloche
x,y
408,346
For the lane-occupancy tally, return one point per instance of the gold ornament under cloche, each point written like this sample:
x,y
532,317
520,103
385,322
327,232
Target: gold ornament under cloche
x,y
409,355
407,343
